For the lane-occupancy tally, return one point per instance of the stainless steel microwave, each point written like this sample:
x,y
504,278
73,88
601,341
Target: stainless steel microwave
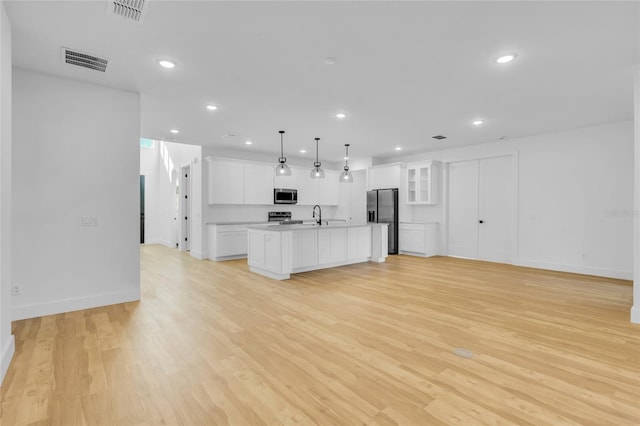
x,y
285,196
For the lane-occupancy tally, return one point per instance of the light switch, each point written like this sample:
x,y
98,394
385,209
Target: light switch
x,y
89,221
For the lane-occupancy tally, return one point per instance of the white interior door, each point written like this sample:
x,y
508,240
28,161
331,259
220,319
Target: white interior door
x,y
463,209
495,209
481,195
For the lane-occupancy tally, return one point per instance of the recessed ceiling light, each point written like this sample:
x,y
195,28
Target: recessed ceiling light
x,y
506,58
329,60
477,122
303,151
341,115
248,142
212,107
398,148
174,131
166,64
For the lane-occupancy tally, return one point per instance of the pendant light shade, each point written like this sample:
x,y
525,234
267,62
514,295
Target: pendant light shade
x,y
282,169
317,172
345,176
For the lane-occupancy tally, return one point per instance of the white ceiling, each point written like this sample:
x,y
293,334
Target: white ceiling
x,y
405,71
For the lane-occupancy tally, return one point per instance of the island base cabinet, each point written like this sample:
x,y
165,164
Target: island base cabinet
x,y
279,253
305,248
358,242
332,245
270,253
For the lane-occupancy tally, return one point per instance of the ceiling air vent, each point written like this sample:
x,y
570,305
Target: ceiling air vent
x,y
439,137
73,57
128,9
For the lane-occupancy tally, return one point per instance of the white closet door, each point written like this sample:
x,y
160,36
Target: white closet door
x,y
495,209
463,209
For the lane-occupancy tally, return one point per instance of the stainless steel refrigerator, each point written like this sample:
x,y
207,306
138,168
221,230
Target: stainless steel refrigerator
x,y
382,207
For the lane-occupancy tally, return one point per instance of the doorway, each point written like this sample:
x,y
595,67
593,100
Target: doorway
x,y
481,209
184,196
141,209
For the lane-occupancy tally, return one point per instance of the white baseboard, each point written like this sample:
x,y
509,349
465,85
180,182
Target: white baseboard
x,y
34,310
162,242
7,354
197,254
635,314
576,269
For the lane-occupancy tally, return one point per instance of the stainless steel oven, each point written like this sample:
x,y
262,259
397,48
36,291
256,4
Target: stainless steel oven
x,y
285,196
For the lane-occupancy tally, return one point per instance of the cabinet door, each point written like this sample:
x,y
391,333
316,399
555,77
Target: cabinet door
x,y
332,245
258,184
307,189
232,243
358,242
411,238
385,177
304,248
272,252
256,248
290,182
226,182
412,185
424,184
329,190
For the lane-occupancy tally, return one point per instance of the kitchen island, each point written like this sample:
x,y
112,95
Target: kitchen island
x,y
282,250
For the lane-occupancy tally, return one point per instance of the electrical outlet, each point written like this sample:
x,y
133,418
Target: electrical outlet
x,y
15,290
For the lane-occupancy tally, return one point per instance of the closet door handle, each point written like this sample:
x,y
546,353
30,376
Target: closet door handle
x,y
481,221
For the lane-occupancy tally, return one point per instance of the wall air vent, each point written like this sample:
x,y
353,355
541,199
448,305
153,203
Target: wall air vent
x,y
128,9
73,57
439,137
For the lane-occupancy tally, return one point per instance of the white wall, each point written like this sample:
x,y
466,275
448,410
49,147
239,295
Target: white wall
x,y
161,167
575,197
76,153
635,310
7,345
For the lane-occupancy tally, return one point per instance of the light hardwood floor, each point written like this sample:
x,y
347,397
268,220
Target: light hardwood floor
x,y
212,343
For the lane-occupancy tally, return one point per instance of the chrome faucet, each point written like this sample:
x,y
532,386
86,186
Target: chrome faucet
x,y
319,214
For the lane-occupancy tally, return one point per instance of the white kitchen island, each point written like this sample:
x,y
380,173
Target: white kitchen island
x,y
282,250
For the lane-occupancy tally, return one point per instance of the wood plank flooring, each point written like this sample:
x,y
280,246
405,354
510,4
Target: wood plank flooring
x,y
212,343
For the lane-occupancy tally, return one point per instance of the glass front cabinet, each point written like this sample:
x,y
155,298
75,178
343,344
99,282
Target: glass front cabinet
x,y
422,183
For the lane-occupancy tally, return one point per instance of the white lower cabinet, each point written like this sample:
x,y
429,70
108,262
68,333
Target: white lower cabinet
x,y
304,250
419,239
332,245
358,242
227,241
265,248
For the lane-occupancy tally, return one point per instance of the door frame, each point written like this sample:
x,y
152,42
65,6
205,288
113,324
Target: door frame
x,y
185,210
515,155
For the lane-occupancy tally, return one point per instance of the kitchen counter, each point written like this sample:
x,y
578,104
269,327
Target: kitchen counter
x,y
282,250
284,228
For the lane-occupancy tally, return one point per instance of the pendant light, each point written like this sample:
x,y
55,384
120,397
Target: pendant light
x,y
282,169
317,172
346,177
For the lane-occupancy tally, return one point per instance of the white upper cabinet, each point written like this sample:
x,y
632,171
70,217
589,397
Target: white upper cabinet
x,y
258,183
328,188
422,182
307,188
385,177
226,181
245,182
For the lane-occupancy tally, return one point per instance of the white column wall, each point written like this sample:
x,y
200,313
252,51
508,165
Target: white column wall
x,y
635,310
7,345
76,154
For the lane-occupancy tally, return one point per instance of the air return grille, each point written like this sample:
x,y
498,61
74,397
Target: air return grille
x,y
129,9
85,60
